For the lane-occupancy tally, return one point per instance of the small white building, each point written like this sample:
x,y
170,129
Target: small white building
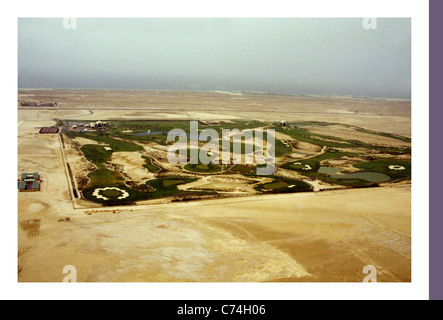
x,y
283,123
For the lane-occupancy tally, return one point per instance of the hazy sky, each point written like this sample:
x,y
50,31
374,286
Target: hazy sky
x,y
296,56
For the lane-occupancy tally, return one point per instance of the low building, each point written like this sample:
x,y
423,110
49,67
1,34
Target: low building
x,y
283,123
50,130
29,182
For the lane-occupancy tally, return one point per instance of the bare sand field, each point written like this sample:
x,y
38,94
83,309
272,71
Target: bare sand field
x,y
327,236
374,114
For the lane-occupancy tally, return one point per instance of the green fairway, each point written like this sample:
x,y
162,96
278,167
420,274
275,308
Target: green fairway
x,y
275,185
103,177
203,168
97,154
105,138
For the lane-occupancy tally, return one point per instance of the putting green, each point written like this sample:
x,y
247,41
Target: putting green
x,y
111,193
275,185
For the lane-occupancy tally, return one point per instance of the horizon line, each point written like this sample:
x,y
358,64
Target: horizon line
x,y
227,92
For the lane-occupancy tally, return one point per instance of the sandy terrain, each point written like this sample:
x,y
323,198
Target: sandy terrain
x,y
344,132
374,114
317,236
132,164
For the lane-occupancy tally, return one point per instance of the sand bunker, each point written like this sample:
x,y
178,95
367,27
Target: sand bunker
x,y
307,166
396,167
36,207
132,163
97,194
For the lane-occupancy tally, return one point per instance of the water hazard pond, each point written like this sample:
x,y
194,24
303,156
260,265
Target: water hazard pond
x,y
328,170
367,176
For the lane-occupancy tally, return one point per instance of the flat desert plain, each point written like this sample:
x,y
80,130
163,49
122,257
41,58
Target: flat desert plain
x,y
327,236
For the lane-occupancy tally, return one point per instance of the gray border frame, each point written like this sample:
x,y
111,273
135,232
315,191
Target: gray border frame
x,y
435,155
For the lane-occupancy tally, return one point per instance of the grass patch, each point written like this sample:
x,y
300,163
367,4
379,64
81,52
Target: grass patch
x,y
203,168
103,177
243,169
169,183
149,166
275,185
282,185
111,193
97,154
281,149
173,182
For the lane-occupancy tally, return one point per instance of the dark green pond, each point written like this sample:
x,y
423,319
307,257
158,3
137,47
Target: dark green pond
x,y
328,170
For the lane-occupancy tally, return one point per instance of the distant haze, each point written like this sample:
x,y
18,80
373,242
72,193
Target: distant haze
x,y
291,56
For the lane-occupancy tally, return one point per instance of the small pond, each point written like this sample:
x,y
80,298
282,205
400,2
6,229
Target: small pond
x,y
328,170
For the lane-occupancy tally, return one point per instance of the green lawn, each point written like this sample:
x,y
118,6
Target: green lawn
x,y
149,166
